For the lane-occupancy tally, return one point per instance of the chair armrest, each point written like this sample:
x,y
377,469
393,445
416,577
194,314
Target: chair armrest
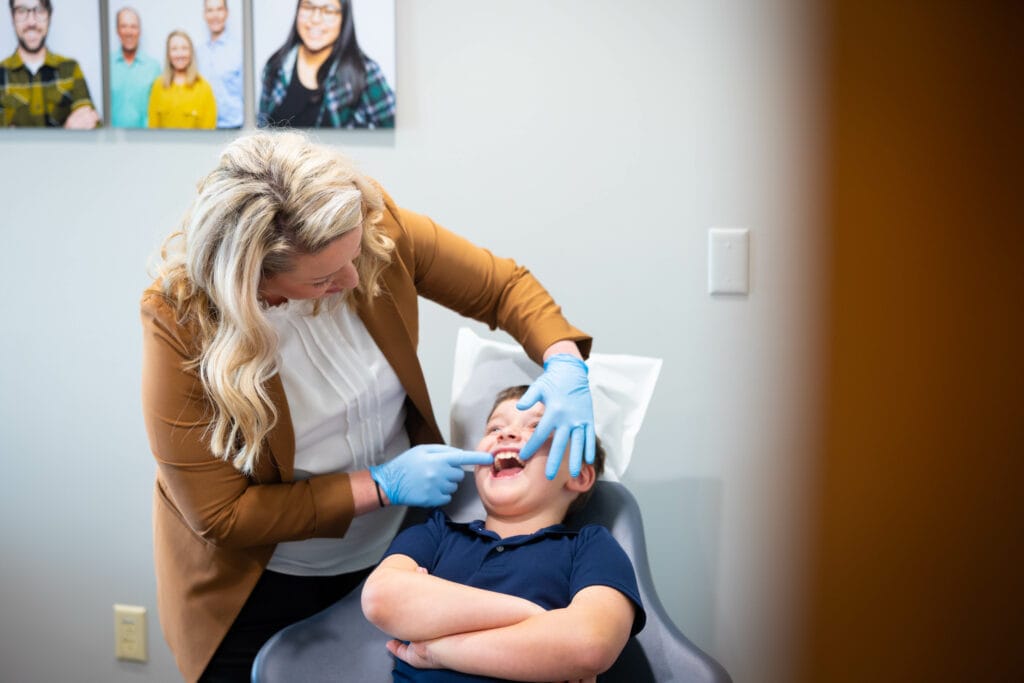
x,y
669,655
337,644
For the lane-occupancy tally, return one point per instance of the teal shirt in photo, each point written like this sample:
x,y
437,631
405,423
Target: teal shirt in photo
x,y
129,89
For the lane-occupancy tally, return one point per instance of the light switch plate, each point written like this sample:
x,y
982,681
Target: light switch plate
x,y
728,261
130,632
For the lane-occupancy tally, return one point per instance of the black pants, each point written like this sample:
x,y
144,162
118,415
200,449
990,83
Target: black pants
x,y
278,600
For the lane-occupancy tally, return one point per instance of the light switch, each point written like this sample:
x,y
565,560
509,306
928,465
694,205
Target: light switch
x,y
728,261
130,632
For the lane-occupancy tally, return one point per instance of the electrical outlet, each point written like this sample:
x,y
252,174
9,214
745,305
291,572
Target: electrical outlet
x,y
130,632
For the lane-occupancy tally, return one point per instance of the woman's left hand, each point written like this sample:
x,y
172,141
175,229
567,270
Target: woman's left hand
x,y
568,412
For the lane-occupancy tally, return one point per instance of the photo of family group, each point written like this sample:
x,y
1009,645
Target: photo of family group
x,y
180,65
176,65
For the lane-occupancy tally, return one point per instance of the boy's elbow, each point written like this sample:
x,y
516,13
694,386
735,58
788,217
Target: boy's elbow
x,y
376,601
595,658
597,650
372,601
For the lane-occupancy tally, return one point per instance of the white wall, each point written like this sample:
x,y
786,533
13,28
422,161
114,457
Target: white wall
x,y
595,141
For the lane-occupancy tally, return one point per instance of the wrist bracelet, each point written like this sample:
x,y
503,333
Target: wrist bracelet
x,y
380,498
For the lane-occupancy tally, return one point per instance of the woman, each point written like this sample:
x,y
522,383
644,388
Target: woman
x,y
320,76
283,398
181,98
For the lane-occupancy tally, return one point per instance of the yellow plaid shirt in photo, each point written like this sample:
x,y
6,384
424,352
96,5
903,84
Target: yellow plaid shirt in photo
x,y
45,98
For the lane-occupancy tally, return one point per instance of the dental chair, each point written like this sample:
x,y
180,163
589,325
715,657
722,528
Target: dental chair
x,y
339,644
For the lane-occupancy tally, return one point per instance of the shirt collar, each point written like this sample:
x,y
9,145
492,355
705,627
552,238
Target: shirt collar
x,y
15,61
477,527
222,40
140,57
52,59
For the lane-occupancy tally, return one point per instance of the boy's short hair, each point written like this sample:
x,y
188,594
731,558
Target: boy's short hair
x,y
516,393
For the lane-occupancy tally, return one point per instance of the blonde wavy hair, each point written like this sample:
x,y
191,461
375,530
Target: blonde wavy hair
x,y
272,196
191,71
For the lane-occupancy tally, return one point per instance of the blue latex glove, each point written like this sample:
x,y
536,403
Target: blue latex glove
x,y
426,475
568,412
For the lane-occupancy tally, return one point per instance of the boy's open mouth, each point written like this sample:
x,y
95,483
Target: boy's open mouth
x,y
506,464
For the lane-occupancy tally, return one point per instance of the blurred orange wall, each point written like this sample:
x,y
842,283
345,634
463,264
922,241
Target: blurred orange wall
x,y
916,563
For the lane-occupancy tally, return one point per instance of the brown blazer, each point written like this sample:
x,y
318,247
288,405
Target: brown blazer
x,y
215,529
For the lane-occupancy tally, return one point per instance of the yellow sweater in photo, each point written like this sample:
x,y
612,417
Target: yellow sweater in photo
x,y
182,106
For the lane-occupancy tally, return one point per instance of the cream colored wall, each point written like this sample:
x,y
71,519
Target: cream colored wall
x,y
596,142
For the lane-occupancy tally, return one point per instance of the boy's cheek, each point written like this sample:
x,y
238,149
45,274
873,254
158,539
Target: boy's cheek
x,y
538,462
545,449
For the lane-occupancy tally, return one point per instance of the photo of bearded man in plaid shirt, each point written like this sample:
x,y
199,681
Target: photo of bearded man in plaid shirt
x,y
39,87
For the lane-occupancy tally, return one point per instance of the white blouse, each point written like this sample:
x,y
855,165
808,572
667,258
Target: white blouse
x,y
348,413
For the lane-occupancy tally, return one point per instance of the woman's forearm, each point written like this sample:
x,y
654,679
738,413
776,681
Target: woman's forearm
x,y
364,493
563,346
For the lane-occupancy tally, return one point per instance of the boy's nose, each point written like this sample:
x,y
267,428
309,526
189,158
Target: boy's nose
x,y
508,434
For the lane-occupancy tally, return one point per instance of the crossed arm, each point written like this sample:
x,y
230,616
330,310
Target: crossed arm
x,y
476,631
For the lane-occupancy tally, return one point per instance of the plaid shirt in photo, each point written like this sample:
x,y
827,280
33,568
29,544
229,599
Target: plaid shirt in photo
x,y
45,98
374,109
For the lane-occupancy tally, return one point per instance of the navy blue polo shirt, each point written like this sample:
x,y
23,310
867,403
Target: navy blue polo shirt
x,y
547,567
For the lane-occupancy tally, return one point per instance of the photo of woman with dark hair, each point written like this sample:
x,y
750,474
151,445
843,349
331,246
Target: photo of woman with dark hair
x,y
321,78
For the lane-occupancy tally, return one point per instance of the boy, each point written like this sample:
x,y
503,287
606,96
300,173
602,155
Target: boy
x,y
517,596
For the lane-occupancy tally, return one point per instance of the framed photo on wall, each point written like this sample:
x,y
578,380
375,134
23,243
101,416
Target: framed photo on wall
x,y
51,74
324,63
176,64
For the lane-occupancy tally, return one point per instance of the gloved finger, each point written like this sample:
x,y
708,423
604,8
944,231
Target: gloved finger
x,y
460,457
448,487
579,436
558,444
539,436
532,395
590,448
454,474
443,499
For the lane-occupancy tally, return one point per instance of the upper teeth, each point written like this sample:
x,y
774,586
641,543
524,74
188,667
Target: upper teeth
x,y
502,458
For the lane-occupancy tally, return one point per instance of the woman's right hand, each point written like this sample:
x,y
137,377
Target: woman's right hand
x,y
426,475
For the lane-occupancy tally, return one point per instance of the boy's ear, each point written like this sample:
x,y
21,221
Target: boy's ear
x,y
584,481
